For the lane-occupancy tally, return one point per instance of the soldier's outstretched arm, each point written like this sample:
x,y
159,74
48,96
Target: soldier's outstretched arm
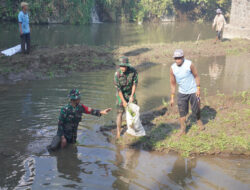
x,y
105,111
95,112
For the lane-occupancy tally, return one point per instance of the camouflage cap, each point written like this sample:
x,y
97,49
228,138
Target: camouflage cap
x,y
178,53
124,62
74,94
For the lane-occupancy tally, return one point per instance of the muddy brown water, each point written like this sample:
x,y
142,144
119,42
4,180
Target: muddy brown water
x,y
29,113
106,34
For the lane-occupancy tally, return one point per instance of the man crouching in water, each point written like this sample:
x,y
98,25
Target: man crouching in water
x,y
184,73
69,119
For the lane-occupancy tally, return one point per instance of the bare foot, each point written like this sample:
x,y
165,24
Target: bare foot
x,y
200,124
118,136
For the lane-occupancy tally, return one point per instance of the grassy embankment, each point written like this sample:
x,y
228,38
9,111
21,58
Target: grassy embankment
x,y
227,122
61,61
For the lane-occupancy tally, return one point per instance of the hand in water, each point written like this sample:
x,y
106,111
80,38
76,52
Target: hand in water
x,y
104,112
63,142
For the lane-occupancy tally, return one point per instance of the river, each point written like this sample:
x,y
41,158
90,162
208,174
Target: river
x,y
29,113
109,34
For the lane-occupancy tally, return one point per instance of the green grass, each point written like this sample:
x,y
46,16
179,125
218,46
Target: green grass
x,y
227,133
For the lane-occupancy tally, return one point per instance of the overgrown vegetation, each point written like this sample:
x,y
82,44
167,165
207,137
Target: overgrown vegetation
x,y
50,11
142,10
78,11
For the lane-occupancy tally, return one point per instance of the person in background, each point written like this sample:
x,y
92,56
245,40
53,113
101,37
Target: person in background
x,y
184,73
69,119
218,24
24,28
125,80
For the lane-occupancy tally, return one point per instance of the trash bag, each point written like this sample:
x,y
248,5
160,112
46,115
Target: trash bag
x,y
55,144
134,125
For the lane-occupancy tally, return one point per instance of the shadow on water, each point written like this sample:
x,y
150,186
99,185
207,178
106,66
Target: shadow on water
x,y
137,52
144,66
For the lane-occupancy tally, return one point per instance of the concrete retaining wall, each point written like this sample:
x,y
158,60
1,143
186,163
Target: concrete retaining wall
x,y
239,26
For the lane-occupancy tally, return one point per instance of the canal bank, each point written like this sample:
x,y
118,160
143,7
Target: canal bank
x,y
45,63
226,120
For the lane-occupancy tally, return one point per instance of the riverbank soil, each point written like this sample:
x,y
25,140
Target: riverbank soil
x,y
163,53
44,63
226,119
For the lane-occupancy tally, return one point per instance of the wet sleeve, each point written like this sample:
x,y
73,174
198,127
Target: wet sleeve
x,y
116,82
135,78
61,121
20,20
91,111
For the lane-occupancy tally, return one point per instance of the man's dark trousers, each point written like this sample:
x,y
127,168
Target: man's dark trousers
x,y
25,39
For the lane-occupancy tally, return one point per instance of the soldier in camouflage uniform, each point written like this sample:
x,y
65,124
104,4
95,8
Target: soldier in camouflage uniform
x,y
125,80
69,119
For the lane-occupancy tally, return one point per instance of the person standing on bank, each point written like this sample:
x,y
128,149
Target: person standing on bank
x,y
218,24
125,80
24,28
184,73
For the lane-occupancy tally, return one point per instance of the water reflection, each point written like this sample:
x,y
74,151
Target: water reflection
x,y
237,75
68,163
110,34
126,168
215,69
182,171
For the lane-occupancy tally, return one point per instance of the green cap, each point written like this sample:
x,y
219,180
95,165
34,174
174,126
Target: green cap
x,y
74,94
124,62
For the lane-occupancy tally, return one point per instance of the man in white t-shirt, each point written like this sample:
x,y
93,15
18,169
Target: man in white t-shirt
x,y
184,73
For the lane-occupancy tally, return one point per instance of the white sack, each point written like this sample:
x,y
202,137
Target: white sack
x,y
134,125
12,51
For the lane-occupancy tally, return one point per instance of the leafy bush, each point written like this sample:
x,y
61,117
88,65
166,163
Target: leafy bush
x,y
78,11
